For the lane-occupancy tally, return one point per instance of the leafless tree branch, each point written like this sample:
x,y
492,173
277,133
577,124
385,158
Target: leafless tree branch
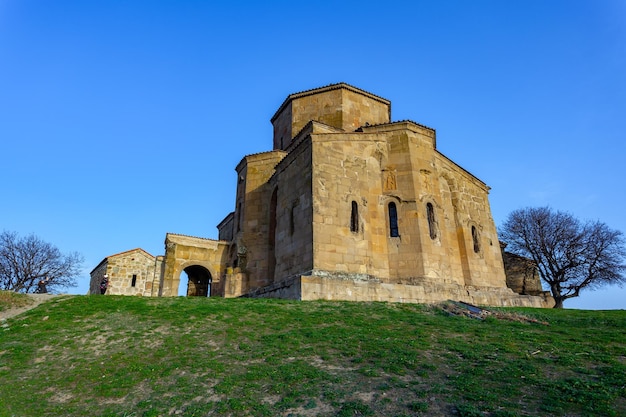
x,y
570,255
26,261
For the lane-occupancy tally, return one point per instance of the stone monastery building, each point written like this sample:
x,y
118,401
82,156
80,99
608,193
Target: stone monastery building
x,y
347,206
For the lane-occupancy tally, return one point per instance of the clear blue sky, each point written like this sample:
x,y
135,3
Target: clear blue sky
x,y
123,120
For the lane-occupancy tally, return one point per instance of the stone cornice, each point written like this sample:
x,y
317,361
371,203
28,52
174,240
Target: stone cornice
x,y
259,156
471,176
398,123
312,127
192,240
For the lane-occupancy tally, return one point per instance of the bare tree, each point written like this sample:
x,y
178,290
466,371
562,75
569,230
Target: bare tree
x,y
570,255
26,261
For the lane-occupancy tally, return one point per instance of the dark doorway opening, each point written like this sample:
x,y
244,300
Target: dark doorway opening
x,y
198,282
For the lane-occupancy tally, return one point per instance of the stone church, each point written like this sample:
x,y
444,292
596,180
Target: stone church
x,y
348,205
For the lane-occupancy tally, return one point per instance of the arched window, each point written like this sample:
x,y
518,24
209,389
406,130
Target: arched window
x,y
432,225
354,217
393,220
476,239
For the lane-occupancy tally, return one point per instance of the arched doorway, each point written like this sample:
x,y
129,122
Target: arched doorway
x,y
198,282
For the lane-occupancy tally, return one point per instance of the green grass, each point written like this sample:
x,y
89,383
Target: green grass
x,y
133,356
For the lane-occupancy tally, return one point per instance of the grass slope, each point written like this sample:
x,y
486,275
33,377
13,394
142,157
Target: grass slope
x,y
131,356
10,299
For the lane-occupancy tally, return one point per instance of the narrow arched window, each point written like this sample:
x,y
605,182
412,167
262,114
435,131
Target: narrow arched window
x,y
432,225
393,220
354,217
476,239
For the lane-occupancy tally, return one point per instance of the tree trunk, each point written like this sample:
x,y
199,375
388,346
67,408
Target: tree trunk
x,y
555,289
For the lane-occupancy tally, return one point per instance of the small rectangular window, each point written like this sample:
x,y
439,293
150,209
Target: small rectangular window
x,y
393,220
432,224
476,239
292,220
354,217
133,282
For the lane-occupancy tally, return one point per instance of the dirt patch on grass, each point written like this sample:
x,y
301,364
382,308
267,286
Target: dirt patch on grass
x,y
33,301
458,308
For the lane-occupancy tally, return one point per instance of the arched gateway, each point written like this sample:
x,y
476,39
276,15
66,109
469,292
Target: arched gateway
x,y
198,282
201,259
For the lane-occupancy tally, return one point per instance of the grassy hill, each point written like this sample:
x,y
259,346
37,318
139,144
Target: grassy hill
x,y
129,356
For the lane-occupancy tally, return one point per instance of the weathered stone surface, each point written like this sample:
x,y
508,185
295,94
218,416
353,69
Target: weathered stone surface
x,y
134,272
522,275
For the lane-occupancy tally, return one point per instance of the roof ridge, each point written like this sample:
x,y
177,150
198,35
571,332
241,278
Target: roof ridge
x,y
131,250
328,87
183,235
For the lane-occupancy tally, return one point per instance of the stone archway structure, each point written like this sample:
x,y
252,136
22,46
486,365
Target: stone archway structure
x,y
202,259
198,283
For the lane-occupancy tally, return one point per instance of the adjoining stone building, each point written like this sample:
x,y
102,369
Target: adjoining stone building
x,y
522,274
134,272
348,206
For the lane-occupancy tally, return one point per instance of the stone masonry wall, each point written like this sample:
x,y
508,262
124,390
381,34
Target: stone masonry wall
x,y
522,275
131,266
293,235
427,291
476,231
339,105
96,277
346,170
398,164
253,215
324,287
282,128
409,252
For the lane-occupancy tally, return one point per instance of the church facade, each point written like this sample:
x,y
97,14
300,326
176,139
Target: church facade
x,y
348,205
